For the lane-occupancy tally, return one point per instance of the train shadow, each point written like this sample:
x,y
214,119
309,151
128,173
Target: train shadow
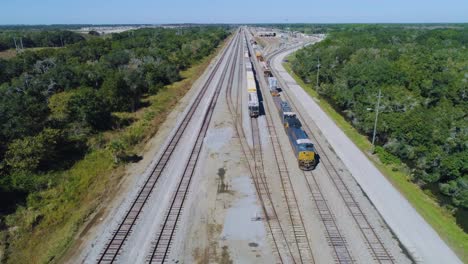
x,y
317,161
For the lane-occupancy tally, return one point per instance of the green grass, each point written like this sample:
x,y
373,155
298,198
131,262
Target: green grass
x,y
46,229
438,217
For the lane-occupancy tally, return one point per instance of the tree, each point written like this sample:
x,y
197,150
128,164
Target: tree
x,y
28,153
89,108
117,147
23,112
116,58
117,93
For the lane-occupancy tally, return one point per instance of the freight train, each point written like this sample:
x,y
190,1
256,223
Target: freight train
x,y
298,138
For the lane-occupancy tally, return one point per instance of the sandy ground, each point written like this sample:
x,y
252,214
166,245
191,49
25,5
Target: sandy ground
x,y
415,234
221,218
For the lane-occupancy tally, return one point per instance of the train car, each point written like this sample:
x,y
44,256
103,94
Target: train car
x,y
273,85
286,113
259,56
266,69
248,66
251,85
302,145
253,104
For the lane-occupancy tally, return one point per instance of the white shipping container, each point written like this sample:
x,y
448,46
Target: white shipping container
x,y
251,85
273,83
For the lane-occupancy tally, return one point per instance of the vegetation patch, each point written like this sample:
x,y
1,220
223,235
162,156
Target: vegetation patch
x,y
348,88
77,136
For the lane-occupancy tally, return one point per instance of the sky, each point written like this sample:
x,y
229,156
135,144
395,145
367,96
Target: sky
x,y
233,11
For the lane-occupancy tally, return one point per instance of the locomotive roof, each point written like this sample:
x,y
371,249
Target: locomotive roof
x,y
294,122
304,141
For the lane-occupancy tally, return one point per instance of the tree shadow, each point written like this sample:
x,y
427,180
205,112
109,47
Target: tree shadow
x,y
131,158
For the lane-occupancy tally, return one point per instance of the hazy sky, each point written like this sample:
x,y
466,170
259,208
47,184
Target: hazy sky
x,y
233,11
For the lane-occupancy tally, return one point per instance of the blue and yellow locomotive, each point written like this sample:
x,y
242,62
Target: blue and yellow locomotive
x,y
302,145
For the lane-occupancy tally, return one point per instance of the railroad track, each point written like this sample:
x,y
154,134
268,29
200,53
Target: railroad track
x,y
114,245
302,251
165,236
299,239
374,243
295,215
275,229
334,236
281,248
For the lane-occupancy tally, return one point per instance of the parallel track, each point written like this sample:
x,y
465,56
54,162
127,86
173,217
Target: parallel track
x,y
334,235
295,215
119,236
298,240
161,246
276,231
375,244
256,168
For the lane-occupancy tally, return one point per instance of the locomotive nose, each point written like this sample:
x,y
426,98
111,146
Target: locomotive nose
x,y
306,158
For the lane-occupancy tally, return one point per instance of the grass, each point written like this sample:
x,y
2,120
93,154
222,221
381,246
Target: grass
x,y
48,227
7,54
11,53
438,217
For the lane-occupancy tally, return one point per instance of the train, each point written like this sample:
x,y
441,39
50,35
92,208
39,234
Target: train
x,y
303,147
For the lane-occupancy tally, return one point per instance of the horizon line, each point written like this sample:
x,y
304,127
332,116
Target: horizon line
x,y
223,23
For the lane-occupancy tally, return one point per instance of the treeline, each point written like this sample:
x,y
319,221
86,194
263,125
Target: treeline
x,y
32,38
330,28
422,74
53,100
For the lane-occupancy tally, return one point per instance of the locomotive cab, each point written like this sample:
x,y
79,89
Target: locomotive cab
x,y
306,154
254,111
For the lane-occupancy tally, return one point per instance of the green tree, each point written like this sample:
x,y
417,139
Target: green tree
x,y
88,107
28,153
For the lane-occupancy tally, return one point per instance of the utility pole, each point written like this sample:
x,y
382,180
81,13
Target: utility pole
x,y
318,71
376,118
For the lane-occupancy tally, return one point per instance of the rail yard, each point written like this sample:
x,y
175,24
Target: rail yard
x,y
242,174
